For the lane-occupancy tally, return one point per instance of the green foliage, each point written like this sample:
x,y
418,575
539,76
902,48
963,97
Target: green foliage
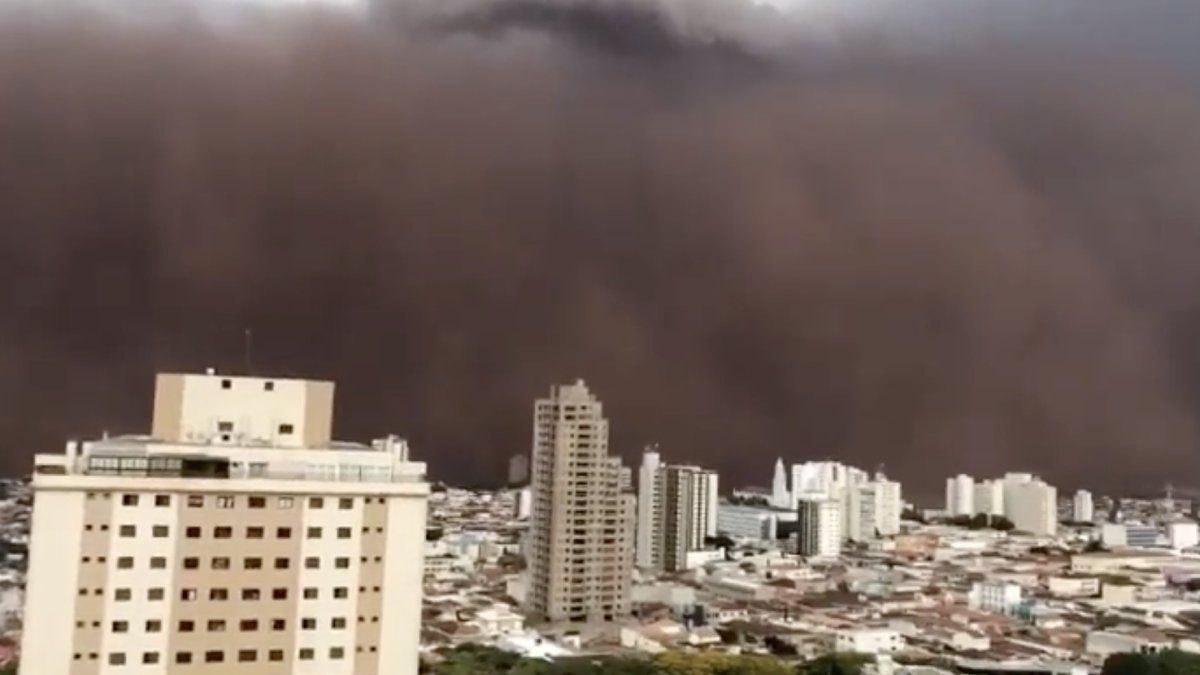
x,y
475,659
1171,662
840,663
715,663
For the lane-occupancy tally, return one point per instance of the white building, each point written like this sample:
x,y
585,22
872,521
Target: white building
x,y
581,534
989,497
819,527
1031,504
873,641
237,533
873,510
960,495
523,504
1000,597
781,497
677,511
1082,510
1113,535
1183,534
752,522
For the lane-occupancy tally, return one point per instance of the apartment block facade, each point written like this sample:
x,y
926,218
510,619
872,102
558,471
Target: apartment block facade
x,y
236,538
582,525
677,511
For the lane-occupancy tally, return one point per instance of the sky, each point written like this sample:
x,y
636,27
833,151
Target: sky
x,y
931,235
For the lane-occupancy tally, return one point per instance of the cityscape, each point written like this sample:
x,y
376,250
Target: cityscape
x,y
238,535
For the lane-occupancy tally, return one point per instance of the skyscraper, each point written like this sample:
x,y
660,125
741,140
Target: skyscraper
x,y
1082,510
518,469
1031,504
872,509
581,531
819,527
677,510
237,535
960,495
780,496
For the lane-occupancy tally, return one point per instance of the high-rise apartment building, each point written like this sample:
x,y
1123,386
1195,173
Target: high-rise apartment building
x,y
518,470
581,532
819,527
781,497
237,537
960,495
1031,504
872,509
989,497
677,511
1082,509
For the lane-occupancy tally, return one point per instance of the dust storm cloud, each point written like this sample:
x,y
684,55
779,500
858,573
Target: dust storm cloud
x,y
942,237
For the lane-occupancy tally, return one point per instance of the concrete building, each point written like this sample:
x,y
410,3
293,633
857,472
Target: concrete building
x,y
1183,534
237,538
677,511
1082,510
873,510
523,504
1031,504
873,641
581,535
1000,597
960,495
518,469
819,527
989,497
752,522
781,497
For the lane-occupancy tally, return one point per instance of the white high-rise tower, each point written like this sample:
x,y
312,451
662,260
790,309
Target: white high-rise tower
x,y
780,496
1083,511
677,511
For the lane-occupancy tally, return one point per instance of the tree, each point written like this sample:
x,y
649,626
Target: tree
x,y
839,663
714,663
978,521
1001,523
1171,662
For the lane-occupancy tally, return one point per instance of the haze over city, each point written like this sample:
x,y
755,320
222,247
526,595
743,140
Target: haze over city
x,y
923,234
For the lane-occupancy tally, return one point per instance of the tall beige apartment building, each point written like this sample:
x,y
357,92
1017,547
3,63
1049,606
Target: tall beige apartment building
x,y
237,537
581,531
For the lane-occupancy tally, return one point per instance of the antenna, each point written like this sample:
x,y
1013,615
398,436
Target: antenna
x,y
248,344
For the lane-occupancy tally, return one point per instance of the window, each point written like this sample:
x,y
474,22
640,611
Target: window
x,y
155,594
346,503
224,427
278,624
312,563
275,655
282,563
254,533
125,563
286,429
310,593
220,563
341,593
316,503
218,594
123,595
150,657
120,626
268,386
343,533
214,656
248,625
129,500
306,654
187,626
338,622
337,652
192,532
128,531
279,594
251,594
187,594
183,657
247,655
283,533
160,531
116,659
252,563
153,626
158,563
257,502
225,502
223,532
313,533
286,502
162,500
341,563
191,563
195,501
226,384
216,625
308,623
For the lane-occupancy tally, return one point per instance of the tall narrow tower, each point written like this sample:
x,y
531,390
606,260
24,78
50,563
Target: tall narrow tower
x,y
780,497
581,534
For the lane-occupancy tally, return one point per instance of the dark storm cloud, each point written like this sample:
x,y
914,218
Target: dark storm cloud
x,y
870,244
